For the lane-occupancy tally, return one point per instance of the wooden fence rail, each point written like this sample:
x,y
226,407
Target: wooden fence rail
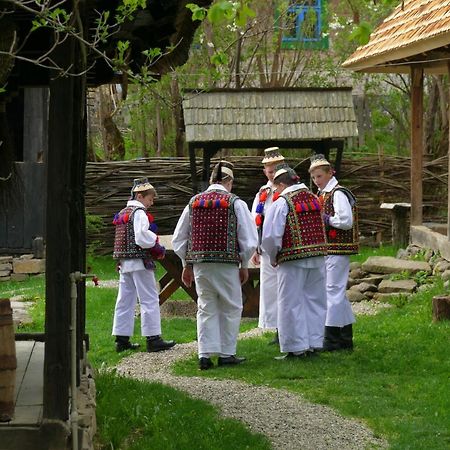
x,y
373,179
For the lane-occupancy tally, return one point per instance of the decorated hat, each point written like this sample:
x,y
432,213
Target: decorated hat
x,y
318,160
272,155
222,170
141,184
283,168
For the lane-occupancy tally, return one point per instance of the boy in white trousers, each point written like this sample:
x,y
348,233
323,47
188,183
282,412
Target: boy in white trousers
x,y
268,287
294,239
136,247
215,237
341,225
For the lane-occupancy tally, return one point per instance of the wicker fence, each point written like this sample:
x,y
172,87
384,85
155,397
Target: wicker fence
x,y
372,178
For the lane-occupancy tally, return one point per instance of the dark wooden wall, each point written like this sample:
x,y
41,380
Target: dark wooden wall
x,y
23,215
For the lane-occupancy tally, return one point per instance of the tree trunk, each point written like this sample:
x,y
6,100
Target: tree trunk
x,y
430,117
159,129
177,112
113,142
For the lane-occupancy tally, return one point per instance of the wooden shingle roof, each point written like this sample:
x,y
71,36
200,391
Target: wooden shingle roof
x,y
418,30
261,115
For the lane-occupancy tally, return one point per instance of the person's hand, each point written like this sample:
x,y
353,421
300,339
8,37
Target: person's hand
x,y
255,259
275,264
158,251
187,276
243,275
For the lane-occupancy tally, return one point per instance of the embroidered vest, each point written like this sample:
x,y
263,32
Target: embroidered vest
x,y
341,242
125,246
304,233
213,230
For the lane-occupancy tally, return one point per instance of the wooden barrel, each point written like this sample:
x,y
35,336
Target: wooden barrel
x,y
8,361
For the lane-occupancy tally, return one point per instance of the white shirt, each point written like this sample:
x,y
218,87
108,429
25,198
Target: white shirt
x,y
246,230
273,230
269,200
343,217
143,237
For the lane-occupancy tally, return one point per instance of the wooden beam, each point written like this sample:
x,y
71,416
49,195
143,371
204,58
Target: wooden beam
x,y
58,239
416,144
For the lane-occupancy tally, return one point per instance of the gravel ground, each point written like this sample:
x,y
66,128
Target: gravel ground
x,y
288,420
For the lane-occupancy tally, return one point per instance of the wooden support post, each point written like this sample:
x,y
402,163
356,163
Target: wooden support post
x,y
58,260
193,166
441,308
416,144
338,160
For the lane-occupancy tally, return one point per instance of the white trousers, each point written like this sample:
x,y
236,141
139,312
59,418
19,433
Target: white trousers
x,y
219,308
142,284
339,309
302,306
268,292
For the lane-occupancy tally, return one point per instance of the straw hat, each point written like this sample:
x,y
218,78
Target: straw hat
x,y
141,184
226,170
317,161
283,168
272,155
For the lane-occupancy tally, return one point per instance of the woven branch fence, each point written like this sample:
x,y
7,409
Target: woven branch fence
x,y
373,179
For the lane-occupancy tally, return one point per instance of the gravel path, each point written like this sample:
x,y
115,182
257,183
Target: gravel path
x,y
289,421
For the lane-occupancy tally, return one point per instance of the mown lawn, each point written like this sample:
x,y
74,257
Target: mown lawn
x,y
396,380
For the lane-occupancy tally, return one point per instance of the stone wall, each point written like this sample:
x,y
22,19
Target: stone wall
x,y
20,268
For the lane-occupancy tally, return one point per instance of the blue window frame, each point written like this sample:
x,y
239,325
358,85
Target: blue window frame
x,y
302,25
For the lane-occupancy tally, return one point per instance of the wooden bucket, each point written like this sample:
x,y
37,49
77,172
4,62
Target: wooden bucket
x,y
8,361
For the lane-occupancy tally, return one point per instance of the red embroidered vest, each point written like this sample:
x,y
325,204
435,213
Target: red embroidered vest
x,y
304,233
341,242
125,246
213,231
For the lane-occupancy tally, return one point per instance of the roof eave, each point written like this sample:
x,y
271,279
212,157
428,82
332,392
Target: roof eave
x,y
380,62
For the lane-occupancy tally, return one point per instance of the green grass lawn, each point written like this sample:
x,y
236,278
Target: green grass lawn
x,y
396,380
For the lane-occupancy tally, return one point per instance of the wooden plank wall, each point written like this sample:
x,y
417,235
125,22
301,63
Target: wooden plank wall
x,y
373,178
23,219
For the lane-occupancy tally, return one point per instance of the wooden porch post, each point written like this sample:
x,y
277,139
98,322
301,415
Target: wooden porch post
x,y
57,270
416,144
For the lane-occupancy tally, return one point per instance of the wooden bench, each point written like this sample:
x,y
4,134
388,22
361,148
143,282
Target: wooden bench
x,y
400,226
171,281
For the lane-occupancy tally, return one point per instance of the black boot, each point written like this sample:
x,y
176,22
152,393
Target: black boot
x,y
347,337
275,340
332,339
157,344
123,343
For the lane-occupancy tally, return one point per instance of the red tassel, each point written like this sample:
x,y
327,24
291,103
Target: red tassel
x,y
263,196
276,195
126,217
223,203
298,207
258,220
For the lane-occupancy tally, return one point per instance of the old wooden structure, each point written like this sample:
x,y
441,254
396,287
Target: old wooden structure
x,y
45,128
291,118
414,39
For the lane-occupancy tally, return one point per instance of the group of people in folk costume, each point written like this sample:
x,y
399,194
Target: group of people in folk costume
x,y
300,241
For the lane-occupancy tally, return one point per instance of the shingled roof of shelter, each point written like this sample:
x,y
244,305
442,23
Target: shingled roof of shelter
x,y
269,114
416,31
